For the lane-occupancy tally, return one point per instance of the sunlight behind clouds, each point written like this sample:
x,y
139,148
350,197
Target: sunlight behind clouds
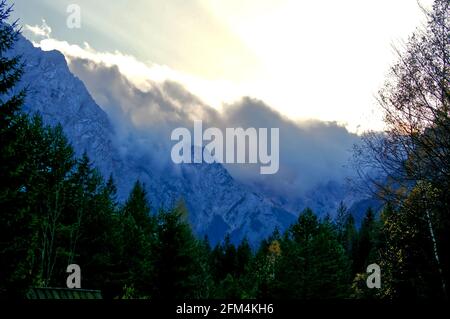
x,y
143,75
324,60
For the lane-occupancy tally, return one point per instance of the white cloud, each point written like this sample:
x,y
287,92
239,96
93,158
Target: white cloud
x,y
322,59
146,101
212,92
311,152
308,59
42,30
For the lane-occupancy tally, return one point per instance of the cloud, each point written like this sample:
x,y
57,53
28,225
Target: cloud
x,y
145,103
42,30
311,152
143,118
142,74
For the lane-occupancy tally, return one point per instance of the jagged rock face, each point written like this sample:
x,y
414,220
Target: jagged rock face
x,y
217,203
62,98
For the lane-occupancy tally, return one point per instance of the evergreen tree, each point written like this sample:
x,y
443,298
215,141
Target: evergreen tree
x,y
341,219
91,223
224,259
243,258
346,231
14,224
349,241
34,163
177,268
137,207
366,245
138,235
313,264
11,69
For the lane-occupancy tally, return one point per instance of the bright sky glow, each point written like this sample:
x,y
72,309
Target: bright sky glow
x,y
307,59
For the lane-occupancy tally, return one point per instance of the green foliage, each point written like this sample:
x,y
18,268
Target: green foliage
x,y
409,260
179,269
312,263
57,209
14,222
136,236
414,151
366,246
11,70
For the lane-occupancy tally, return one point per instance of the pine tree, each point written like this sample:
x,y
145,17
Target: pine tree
x,y
137,207
138,236
366,244
346,230
203,278
349,241
224,259
94,244
177,268
243,258
15,224
313,263
11,69
341,222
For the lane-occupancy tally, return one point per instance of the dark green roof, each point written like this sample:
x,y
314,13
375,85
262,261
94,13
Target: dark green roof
x,y
63,293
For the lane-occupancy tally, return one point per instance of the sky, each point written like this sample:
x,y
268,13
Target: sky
x,y
306,59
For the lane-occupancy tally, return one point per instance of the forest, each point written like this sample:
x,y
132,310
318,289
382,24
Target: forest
x,y
56,209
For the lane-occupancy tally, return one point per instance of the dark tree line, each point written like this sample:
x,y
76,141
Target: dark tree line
x,y
56,209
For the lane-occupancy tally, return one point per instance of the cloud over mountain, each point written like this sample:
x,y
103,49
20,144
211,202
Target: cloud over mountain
x,y
146,105
311,152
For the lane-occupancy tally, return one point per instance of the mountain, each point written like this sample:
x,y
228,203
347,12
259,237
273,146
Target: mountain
x,y
217,203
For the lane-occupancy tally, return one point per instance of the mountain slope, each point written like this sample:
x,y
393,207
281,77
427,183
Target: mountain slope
x,y
216,202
